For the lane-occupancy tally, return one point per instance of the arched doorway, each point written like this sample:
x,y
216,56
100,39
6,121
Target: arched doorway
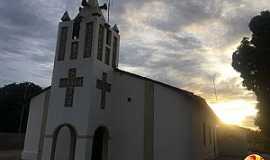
x,y
100,144
64,142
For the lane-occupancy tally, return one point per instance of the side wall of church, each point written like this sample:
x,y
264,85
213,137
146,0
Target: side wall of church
x,y
204,140
35,126
150,121
172,125
127,122
232,141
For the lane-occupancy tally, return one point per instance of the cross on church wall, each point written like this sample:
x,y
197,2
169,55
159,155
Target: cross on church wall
x,y
70,83
104,86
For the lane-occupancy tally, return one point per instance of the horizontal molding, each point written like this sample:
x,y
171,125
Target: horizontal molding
x,y
78,136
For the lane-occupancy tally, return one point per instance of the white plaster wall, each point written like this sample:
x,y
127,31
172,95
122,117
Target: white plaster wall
x,y
78,114
124,120
34,127
172,120
127,121
81,152
178,119
46,149
172,125
85,115
202,114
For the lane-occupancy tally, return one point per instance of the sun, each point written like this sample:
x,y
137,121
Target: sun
x,y
234,111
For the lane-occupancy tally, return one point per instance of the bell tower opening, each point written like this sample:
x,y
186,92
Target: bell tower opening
x,y
76,27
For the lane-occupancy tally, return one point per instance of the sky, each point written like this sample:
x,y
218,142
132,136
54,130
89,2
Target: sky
x,y
185,43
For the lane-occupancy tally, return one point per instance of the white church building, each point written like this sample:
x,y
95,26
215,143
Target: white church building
x,y
95,111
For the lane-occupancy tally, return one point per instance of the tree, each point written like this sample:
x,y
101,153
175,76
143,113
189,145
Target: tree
x,y
252,60
14,105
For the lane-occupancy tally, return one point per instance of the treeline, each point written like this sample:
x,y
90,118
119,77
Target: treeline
x,y
14,105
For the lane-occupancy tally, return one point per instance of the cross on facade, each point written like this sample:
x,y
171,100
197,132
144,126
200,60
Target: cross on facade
x,y
104,87
70,83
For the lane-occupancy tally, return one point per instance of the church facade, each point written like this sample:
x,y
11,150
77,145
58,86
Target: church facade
x,y
95,111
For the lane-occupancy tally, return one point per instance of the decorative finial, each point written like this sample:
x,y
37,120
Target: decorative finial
x,y
115,28
85,3
65,17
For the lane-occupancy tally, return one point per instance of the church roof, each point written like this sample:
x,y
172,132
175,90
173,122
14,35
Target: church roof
x,y
196,99
158,82
43,90
181,91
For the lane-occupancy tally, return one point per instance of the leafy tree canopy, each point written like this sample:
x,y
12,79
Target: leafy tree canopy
x,y
14,105
252,60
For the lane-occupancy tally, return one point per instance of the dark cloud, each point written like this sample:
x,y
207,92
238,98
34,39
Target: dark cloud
x,y
28,29
27,40
186,12
28,36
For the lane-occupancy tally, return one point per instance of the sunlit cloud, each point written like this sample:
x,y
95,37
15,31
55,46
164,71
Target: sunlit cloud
x,y
235,111
187,44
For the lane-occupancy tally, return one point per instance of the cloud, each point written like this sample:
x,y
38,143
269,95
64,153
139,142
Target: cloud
x,y
184,43
28,31
187,43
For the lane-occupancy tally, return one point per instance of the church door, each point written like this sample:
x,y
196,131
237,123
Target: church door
x,y
100,144
64,142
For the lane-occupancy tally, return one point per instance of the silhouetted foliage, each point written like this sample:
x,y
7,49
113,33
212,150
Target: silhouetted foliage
x,y
252,60
14,105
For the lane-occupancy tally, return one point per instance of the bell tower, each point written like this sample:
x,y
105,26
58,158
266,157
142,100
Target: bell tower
x,y
87,36
87,51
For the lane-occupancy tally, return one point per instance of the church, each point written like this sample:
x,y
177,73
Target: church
x,y
95,111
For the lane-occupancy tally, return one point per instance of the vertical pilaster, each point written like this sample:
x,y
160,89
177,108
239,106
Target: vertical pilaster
x,y
148,121
43,125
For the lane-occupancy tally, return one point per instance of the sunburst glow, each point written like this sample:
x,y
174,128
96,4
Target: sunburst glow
x,y
234,112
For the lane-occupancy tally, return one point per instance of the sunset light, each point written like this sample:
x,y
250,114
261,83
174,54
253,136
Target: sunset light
x,y
235,111
135,79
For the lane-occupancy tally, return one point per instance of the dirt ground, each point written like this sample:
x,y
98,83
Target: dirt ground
x,y
10,155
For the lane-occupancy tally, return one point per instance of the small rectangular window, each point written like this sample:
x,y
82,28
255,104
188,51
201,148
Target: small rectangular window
x,y
88,40
74,50
214,135
214,140
115,45
204,134
62,43
210,135
109,37
107,56
100,42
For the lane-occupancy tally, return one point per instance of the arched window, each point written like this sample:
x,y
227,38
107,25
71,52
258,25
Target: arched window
x,y
64,143
100,144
